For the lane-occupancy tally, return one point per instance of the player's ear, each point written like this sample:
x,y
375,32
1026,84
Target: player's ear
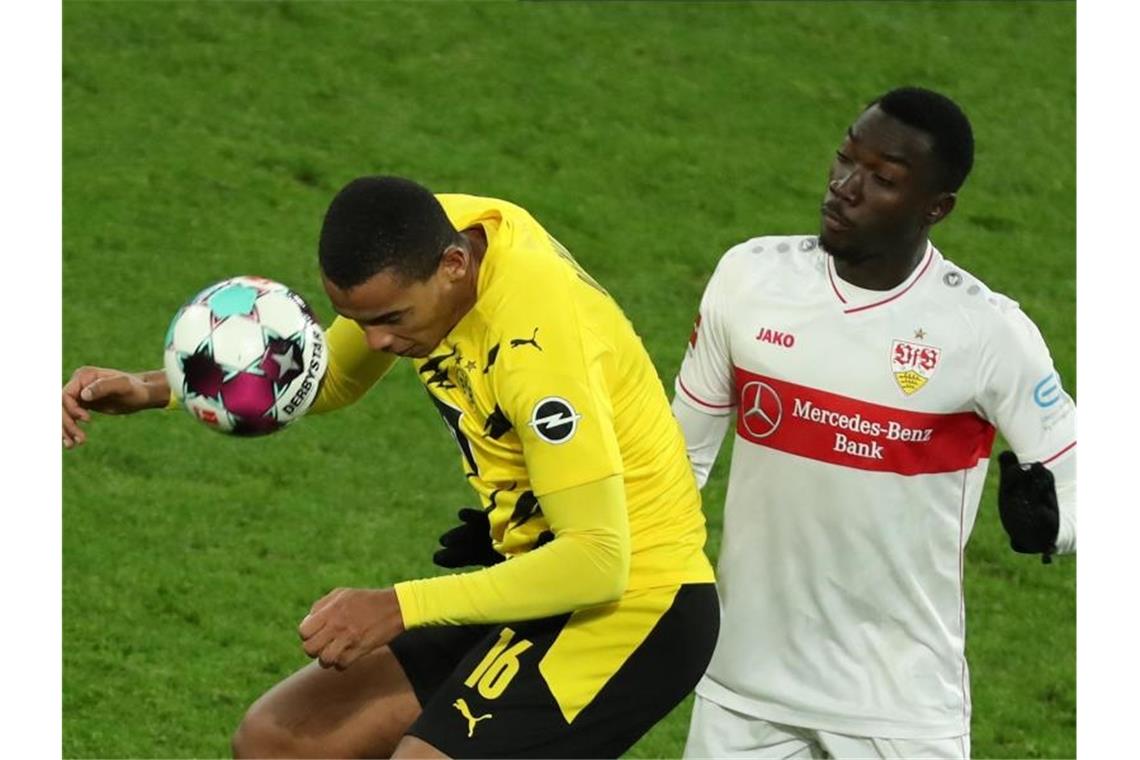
x,y
454,263
941,207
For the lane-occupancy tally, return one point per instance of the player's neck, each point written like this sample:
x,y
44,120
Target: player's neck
x,y
477,240
477,247
881,270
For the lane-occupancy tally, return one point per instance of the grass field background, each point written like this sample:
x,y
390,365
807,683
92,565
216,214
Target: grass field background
x,y
203,140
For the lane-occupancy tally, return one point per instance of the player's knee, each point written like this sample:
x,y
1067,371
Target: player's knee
x,y
260,735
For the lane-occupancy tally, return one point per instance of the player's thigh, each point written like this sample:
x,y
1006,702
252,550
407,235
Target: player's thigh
x,y
587,684
842,746
716,731
361,711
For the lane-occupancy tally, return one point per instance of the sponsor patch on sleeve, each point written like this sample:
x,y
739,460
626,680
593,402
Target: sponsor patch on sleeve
x,y
554,420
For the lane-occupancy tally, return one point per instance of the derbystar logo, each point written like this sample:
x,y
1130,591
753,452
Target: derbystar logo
x,y
841,430
310,382
776,338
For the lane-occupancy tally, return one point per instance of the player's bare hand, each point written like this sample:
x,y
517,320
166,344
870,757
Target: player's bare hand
x,y
348,623
109,391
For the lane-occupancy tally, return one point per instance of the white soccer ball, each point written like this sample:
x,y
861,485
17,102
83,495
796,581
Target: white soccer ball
x,y
245,356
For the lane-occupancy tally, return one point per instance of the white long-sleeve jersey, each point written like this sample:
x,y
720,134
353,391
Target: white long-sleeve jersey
x,y
864,424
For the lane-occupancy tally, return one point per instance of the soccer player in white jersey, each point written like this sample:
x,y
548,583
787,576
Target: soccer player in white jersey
x,y
865,375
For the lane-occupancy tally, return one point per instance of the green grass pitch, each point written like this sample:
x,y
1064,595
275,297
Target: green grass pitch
x,y
203,140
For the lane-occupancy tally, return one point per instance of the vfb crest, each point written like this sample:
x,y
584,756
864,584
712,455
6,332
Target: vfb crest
x,y
913,364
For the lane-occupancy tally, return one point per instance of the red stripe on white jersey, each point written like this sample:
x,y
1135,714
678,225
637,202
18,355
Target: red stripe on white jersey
x,y
831,278
850,432
1059,453
690,394
921,268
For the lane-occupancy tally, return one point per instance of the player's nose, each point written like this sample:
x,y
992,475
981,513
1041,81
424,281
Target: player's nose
x,y
846,187
840,188
379,338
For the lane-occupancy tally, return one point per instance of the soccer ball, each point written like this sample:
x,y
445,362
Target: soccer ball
x,y
245,356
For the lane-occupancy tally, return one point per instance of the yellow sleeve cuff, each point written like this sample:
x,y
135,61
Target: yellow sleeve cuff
x,y
409,608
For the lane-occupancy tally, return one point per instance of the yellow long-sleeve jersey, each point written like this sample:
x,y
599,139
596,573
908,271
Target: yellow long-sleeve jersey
x,y
552,399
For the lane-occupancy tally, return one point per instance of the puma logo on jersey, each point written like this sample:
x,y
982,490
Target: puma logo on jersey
x,y
461,705
775,337
532,340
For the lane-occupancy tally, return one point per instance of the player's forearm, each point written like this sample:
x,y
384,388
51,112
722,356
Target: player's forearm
x,y
340,389
158,389
587,564
1065,479
569,573
704,434
1067,530
352,368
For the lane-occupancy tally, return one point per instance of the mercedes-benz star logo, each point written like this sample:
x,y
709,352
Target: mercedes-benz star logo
x,y
760,409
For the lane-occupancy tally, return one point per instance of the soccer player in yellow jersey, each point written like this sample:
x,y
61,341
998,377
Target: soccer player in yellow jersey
x,y
603,615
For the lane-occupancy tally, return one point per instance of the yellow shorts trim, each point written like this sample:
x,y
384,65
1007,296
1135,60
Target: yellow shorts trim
x,y
596,642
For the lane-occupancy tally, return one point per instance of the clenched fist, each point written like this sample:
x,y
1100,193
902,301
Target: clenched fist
x,y
348,623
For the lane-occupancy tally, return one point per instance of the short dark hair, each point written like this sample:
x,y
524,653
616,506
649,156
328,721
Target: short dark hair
x,y
379,223
942,119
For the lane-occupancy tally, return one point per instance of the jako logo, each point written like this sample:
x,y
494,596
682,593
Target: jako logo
x,y
776,338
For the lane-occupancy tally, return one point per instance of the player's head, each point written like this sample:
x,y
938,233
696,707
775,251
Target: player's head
x,y
392,260
896,173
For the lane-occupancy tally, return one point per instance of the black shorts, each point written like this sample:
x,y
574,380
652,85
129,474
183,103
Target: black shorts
x,y
583,684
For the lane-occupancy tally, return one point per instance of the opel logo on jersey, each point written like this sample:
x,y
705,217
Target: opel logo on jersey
x,y
760,409
554,420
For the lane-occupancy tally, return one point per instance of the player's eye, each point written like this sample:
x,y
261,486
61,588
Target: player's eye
x,y
884,181
384,319
841,157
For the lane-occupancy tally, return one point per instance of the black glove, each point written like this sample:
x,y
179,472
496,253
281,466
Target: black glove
x,y
469,543
1027,502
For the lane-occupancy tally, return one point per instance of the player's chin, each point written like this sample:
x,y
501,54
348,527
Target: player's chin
x,y
414,352
835,244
